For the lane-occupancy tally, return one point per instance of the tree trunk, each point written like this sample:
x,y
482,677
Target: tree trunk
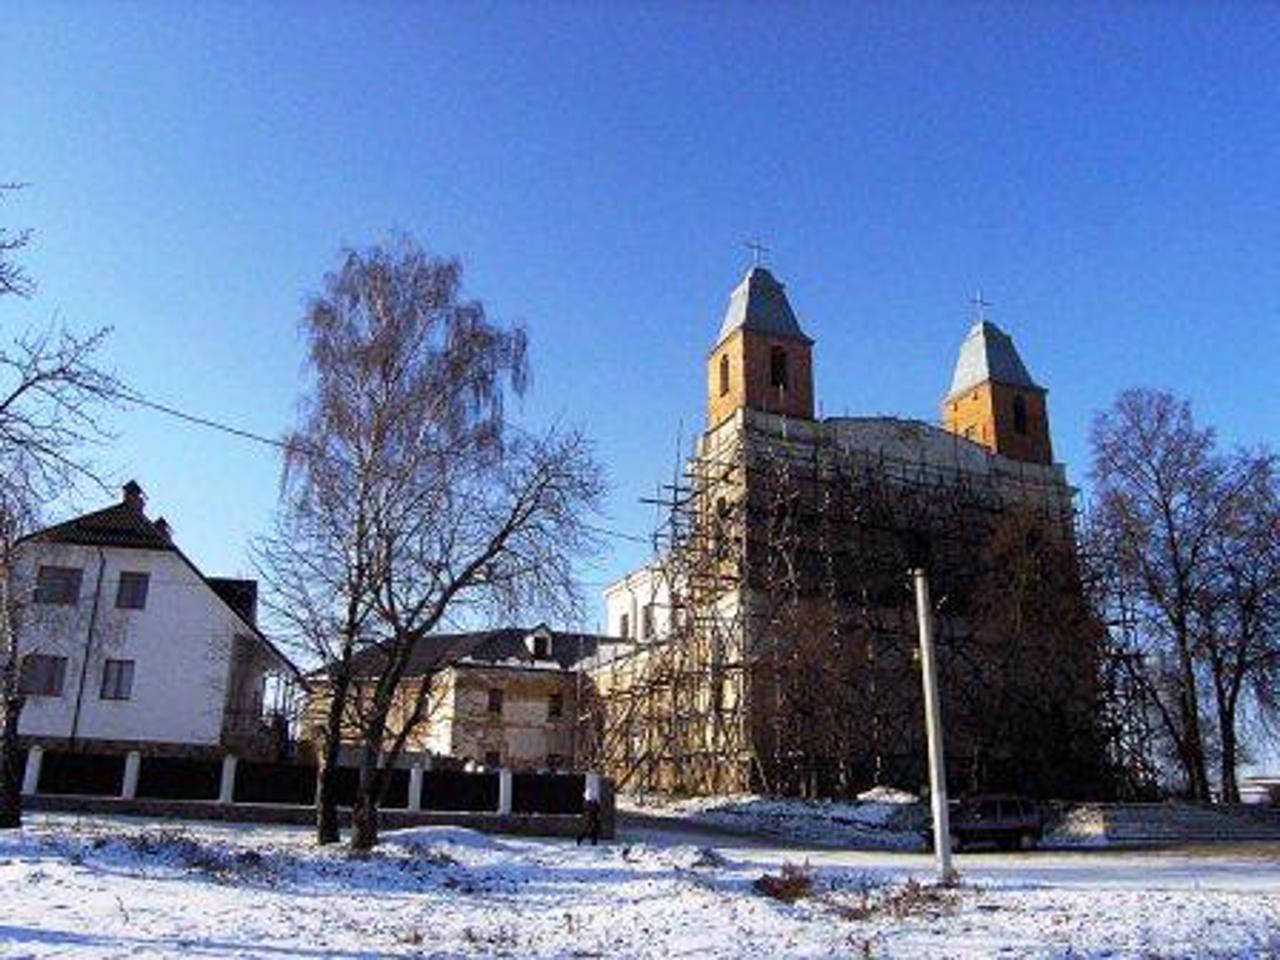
x,y
327,774
1193,756
364,815
1230,787
1230,745
10,769
11,702
327,794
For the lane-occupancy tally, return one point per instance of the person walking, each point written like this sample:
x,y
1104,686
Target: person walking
x,y
590,810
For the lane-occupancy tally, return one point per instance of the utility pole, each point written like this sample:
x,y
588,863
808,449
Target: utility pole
x,y
933,730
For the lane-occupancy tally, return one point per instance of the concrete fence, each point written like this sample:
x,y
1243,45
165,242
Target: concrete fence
x,y
512,813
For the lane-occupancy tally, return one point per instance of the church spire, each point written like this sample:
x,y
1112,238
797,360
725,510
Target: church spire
x,y
762,360
759,304
993,400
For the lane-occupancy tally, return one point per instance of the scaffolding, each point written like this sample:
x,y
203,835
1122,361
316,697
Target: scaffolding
x,y
786,659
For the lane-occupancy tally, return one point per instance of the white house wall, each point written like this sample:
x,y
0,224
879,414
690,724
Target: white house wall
x,y
180,644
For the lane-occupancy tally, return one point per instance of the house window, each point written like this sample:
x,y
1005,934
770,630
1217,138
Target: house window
x,y
778,368
541,648
58,584
492,758
131,593
495,701
117,680
555,706
724,374
1020,415
624,626
646,621
42,675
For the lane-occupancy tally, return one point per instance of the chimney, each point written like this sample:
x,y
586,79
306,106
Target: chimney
x,y
166,531
134,497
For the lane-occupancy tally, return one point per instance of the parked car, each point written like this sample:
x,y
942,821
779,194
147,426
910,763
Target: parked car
x,y
1008,822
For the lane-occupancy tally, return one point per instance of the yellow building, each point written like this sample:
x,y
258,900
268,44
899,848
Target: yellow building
x,y
494,698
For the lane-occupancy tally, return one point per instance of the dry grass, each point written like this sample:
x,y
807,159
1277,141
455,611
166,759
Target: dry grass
x,y
793,883
901,902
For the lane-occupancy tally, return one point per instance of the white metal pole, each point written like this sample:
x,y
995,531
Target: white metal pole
x,y
933,730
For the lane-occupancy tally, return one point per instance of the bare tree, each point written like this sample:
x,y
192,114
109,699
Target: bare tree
x,y
13,278
50,389
1241,613
317,566
431,508
1188,538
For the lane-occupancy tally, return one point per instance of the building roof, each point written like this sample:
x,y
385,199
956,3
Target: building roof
x,y
239,594
506,646
759,303
120,525
988,353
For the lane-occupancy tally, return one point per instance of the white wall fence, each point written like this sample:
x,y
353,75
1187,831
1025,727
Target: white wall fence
x,y
134,760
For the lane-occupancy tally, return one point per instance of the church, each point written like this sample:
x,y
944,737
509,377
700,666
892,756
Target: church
x,y
771,645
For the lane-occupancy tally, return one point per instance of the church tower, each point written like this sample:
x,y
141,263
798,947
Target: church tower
x,y
993,400
762,359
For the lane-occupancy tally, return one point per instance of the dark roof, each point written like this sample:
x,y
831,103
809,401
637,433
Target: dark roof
x,y
505,645
120,525
759,303
240,595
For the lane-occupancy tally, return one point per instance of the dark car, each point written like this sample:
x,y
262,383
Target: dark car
x,y
1008,822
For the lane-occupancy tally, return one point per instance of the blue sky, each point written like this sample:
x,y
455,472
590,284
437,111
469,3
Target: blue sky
x,y
1106,174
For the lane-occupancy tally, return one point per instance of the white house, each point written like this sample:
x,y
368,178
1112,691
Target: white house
x,y
126,645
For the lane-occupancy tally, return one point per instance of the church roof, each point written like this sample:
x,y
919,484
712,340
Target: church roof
x,y
988,353
759,303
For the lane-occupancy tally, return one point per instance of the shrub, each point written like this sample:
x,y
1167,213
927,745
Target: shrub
x,y
791,884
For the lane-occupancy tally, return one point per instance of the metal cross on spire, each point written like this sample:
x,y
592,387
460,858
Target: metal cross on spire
x,y
758,251
981,306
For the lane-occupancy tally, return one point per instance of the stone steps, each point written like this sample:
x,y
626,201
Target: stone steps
x,y
1168,823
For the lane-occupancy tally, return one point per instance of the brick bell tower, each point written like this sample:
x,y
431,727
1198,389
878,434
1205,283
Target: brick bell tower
x,y
993,400
762,359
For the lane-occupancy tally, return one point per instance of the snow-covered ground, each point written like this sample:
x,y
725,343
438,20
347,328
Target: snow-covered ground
x,y
100,887
881,819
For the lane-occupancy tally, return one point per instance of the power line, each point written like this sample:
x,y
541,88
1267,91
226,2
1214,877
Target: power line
x,y
618,534
129,396
141,401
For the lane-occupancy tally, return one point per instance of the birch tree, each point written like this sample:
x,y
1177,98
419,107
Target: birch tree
x,y
432,508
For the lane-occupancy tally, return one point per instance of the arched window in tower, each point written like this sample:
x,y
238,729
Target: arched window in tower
x,y
778,368
1020,415
724,374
